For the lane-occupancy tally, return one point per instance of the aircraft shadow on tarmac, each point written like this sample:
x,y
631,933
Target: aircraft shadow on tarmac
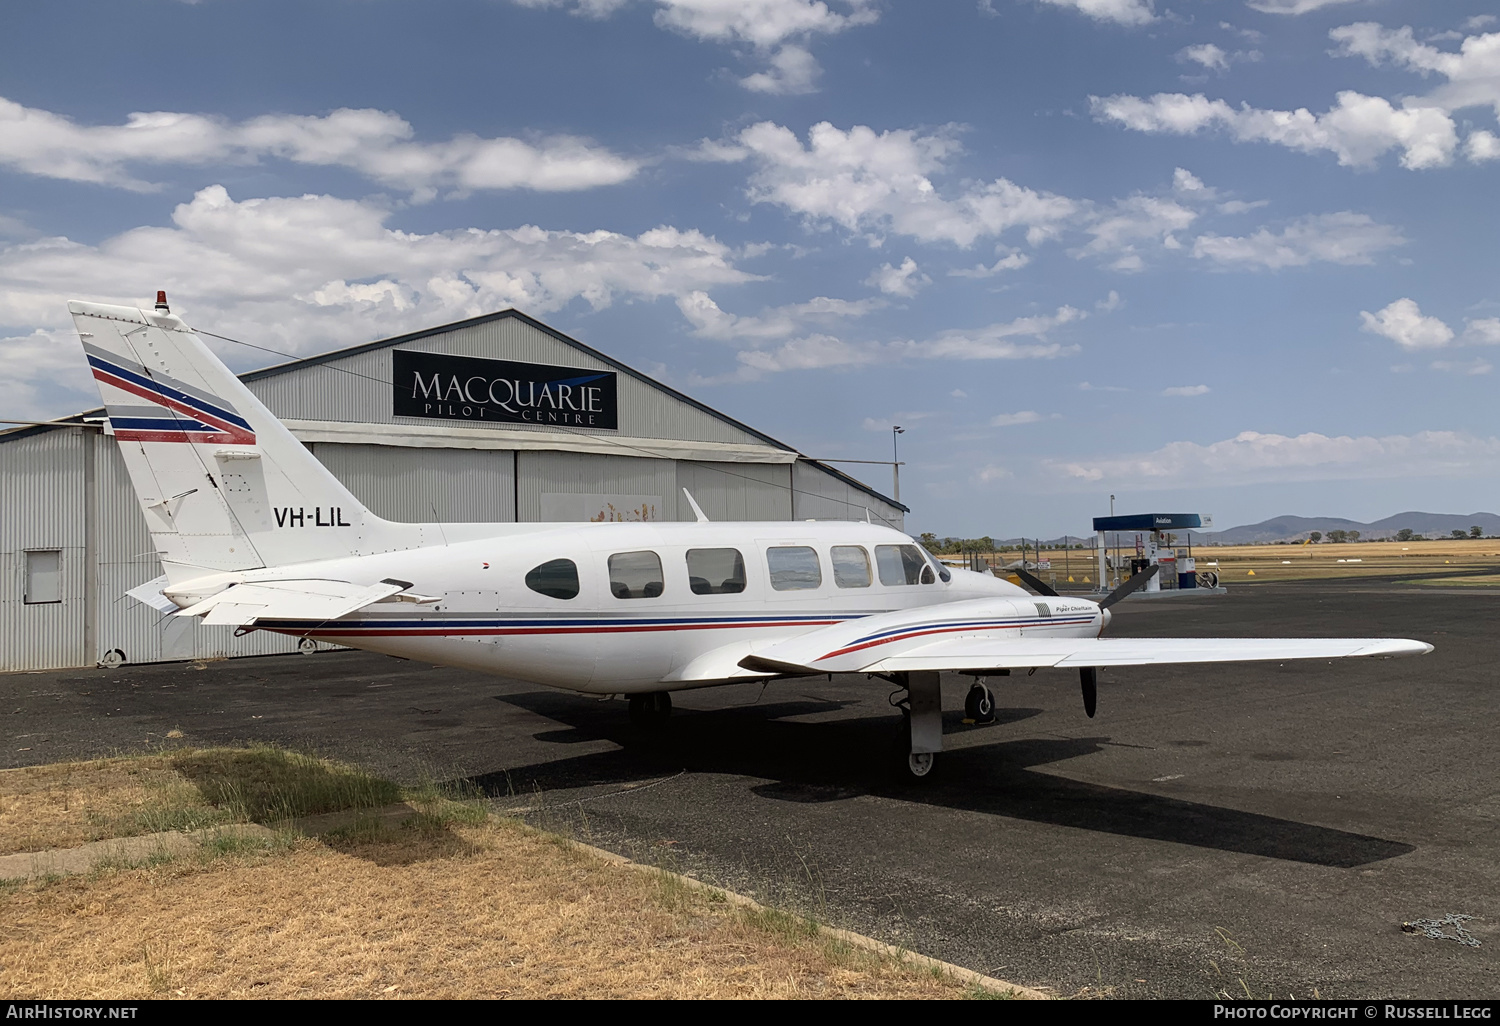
x,y
839,759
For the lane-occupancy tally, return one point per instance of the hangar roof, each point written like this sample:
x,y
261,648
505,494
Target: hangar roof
x,y
267,377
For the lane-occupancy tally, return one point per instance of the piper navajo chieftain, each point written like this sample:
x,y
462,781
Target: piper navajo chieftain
x,y
253,531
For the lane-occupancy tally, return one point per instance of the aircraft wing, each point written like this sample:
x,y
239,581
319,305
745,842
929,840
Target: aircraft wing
x,y
968,654
989,634
313,600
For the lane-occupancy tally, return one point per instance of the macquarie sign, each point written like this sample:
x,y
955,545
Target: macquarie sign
x,y
443,387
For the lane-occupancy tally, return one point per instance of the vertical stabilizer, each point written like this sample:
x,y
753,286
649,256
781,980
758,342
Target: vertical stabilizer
x,y
223,484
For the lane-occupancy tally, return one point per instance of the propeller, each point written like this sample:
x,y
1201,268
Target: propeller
x,y
1034,583
1088,676
1131,586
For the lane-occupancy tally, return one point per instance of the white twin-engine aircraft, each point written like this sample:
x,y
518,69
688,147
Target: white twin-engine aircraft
x,y
253,531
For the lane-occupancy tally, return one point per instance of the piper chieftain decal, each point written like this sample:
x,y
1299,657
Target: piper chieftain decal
x,y
640,609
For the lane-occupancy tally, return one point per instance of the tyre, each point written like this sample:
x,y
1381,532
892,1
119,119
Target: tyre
x,y
979,704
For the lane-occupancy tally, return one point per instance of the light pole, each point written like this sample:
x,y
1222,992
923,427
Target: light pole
x,y
1111,505
896,462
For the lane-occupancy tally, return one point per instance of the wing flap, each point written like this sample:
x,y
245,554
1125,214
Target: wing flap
x,y
984,653
317,601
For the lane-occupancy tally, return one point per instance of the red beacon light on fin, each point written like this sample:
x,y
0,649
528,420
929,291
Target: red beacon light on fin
x,y
161,301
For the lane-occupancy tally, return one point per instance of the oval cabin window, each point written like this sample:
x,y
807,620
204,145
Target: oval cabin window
x,y
557,578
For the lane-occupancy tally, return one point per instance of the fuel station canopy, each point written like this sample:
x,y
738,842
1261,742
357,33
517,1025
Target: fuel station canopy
x,y
1155,522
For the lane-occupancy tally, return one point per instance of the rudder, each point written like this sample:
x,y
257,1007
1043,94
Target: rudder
x,y
223,484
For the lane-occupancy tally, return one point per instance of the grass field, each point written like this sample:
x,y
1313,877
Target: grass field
x,y
1424,562
452,902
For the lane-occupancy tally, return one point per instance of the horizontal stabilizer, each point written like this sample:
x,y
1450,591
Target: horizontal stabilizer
x,y
315,601
150,594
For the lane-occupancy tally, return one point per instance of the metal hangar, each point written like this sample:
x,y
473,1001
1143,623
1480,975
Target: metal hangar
x,y
495,418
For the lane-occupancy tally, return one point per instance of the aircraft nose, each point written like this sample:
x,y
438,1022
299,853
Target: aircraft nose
x,y
1108,616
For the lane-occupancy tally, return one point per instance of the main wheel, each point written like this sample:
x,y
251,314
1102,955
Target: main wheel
x,y
919,764
650,710
979,704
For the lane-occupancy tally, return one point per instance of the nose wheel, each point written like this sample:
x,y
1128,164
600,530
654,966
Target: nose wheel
x,y
979,704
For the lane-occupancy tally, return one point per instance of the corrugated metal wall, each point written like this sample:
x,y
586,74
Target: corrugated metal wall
x,y
42,508
588,473
448,486
736,491
818,495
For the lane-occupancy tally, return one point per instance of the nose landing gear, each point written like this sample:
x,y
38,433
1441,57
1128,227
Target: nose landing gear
x,y
979,704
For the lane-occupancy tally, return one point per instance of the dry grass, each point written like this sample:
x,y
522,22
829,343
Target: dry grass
x,y
1374,559
65,806
450,904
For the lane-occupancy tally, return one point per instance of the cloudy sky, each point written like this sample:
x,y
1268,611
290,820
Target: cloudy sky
x,y
1229,256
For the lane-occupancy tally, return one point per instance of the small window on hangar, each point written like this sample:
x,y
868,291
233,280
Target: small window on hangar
x,y
43,576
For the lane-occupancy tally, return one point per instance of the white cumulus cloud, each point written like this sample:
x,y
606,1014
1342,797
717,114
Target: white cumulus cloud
x,y
1358,129
1340,238
877,183
709,321
377,144
1403,323
1207,54
1254,457
1473,73
46,376
775,31
1293,6
1216,58
1469,368
1481,146
1484,332
310,273
1009,419
1024,338
906,280
1121,12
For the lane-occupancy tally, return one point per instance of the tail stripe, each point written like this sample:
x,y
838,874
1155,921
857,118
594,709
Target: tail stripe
x,y
159,387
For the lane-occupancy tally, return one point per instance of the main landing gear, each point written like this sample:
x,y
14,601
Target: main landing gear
x,y
921,737
650,711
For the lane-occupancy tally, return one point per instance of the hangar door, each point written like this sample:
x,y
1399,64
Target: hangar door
x,y
422,486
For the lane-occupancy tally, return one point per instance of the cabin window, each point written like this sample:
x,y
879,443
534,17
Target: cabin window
x,y
902,564
634,575
557,578
851,566
43,576
794,568
716,571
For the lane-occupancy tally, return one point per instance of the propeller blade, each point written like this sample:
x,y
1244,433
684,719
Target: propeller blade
x,y
1034,583
1089,677
1134,584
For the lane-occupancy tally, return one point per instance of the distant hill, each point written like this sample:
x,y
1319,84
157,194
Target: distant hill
x,y
1290,528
